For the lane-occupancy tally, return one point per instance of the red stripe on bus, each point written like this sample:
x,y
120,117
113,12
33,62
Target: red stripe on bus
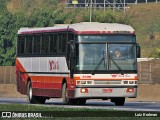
x,y
120,78
20,68
69,29
49,82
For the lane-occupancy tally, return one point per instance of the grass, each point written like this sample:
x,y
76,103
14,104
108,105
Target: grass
x,y
143,16
72,113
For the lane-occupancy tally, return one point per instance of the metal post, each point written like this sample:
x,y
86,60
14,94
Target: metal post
x,y
95,4
91,11
85,5
124,6
136,2
114,5
104,5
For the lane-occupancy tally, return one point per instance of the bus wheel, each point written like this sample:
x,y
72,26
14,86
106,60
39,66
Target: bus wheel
x,y
31,98
66,99
119,101
41,100
34,99
80,101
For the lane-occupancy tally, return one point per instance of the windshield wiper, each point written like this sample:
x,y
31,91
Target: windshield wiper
x,y
96,68
116,64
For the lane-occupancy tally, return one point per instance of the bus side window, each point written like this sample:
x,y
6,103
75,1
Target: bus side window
x,y
64,40
53,44
70,36
62,43
45,44
21,45
36,48
29,44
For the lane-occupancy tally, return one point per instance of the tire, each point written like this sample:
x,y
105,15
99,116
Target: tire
x,y
119,101
66,99
41,100
80,101
65,94
34,99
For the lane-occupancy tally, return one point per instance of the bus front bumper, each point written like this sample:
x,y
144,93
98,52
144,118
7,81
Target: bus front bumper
x,y
105,92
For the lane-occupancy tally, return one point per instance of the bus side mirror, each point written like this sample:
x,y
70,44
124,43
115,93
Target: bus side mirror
x,y
138,51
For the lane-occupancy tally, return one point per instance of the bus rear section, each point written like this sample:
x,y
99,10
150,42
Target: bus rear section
x,y
81,61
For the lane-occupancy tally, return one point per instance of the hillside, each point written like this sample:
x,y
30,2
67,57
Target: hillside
x,y
144,17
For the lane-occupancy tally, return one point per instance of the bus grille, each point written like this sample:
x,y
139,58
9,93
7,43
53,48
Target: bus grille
x,y
106,82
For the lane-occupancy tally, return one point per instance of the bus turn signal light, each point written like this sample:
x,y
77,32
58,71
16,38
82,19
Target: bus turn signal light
x,y
130,90
84,90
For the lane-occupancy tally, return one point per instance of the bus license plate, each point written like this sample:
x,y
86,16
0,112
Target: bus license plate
x,y
106,90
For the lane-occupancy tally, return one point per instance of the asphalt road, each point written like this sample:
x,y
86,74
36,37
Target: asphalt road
x,y
92,104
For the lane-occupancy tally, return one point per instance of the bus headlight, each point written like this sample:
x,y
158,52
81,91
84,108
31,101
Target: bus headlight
x,y
131,82
89,82
84,82
125,82
78,82
136,82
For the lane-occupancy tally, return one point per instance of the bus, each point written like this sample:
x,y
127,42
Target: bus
x,y
76,62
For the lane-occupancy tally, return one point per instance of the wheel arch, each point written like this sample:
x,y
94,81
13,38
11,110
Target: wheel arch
x,y
64,81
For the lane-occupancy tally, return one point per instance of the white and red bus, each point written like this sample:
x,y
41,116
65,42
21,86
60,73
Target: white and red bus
x,y
76,62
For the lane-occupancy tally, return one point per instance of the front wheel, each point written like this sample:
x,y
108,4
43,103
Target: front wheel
x,y
65,94
80,101
66,99
118,101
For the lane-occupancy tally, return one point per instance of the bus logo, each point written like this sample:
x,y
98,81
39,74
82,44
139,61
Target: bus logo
x,y
53,64
114,75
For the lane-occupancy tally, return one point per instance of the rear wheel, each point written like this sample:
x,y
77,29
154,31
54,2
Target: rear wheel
x,y
34,99
41,100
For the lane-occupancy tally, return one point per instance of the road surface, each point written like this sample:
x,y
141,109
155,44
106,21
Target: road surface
x,y
92,104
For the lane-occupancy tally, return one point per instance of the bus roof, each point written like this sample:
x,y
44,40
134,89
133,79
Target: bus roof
x,y
83,28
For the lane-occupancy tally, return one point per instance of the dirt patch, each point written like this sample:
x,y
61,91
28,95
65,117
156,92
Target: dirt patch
x,y
9,90
148,92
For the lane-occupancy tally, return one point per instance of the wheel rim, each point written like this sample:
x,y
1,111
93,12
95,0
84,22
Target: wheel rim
x,y
66,94
30,92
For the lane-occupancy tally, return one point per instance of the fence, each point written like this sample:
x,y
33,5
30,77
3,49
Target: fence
x,y
7,75
115,4
148,72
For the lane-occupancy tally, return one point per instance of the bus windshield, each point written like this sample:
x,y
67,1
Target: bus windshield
x,y
106,57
